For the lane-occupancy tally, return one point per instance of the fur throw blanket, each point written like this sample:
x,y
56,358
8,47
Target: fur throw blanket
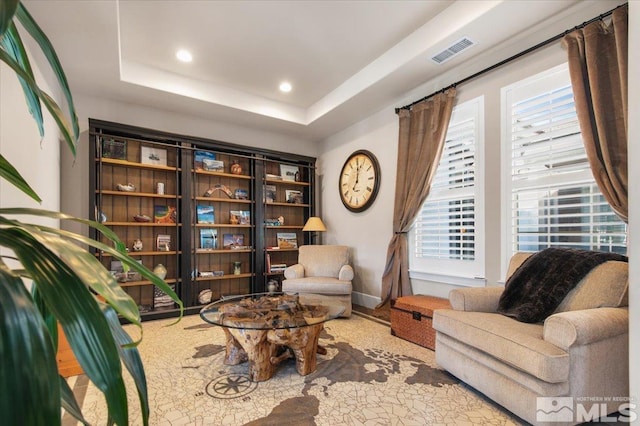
x,y
538,286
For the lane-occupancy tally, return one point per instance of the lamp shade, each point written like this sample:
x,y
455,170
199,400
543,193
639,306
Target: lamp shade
x,y
314,223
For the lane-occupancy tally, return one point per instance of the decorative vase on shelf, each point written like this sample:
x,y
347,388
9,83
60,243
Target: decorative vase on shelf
x,y
160,271
236,168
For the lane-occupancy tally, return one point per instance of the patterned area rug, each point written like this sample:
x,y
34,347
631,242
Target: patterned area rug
x,y
367,377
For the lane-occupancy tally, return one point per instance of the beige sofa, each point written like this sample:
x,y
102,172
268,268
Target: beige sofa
x,y
322,269
581,351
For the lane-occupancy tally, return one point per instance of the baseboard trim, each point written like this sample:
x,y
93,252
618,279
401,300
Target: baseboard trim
x,y
366,300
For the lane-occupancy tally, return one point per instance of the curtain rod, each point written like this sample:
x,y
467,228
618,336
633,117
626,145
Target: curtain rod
x,y
514,57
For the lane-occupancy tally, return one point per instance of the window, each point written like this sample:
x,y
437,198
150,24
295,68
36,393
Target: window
x,y
446,236
552,199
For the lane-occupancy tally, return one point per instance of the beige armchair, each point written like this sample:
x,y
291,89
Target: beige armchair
x,y
322,270
580,351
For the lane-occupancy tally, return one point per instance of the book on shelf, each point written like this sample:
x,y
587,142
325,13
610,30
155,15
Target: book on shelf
x,y
200,156
163,242
205,214
164,214
230,241
240,194
243,217
273,177
269,194
278,267
268,262
208,239
287,240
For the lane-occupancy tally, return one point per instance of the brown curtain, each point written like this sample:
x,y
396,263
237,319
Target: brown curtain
x,y
598,68
420,142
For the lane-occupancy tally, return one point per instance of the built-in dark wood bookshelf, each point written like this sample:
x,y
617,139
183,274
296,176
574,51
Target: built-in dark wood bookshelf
x,y
210,212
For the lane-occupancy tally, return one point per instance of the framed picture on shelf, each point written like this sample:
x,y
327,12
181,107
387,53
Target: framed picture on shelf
x,y
294,197
230,241
116,149
152,155
205,214
287,240
200,156
269,193
290,173
242,217
209,239
164,214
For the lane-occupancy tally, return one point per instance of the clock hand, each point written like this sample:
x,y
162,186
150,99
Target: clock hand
x,y
357,176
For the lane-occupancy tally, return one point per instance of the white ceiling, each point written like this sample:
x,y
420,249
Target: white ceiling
x,y
345,59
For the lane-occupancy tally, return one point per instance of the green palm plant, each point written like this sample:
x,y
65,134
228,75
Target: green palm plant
x,y
64,279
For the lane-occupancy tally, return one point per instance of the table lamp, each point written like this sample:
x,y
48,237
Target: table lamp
x,y
314,224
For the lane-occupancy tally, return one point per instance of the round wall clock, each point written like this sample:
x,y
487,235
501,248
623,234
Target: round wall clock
x,y
359,180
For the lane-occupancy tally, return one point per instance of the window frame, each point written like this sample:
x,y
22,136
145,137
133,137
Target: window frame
x,y
551,79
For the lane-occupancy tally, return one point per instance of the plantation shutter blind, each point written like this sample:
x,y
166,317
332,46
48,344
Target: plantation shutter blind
x,y
554,199
445,226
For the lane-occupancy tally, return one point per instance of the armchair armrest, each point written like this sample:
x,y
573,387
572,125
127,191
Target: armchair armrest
x,y
575,328
484,299
346,273
294,271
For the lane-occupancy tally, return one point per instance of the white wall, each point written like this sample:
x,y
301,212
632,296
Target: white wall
x,y
634,203
37,160
369,232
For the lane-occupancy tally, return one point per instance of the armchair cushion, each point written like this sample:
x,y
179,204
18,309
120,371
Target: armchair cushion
x,y
322,270
509,341
541,283
323,261
320,285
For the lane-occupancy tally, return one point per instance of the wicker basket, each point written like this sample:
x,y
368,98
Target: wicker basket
x,y
411,318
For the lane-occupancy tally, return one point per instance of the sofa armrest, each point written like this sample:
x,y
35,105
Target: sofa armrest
x,y
346,273
574,328
484,299
294,271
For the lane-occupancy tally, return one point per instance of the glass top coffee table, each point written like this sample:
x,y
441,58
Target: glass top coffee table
x,y
266,328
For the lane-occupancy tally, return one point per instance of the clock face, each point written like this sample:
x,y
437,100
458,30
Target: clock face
x,y
359,181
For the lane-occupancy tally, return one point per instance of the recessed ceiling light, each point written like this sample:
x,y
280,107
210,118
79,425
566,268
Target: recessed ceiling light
x,y
285,87
184,55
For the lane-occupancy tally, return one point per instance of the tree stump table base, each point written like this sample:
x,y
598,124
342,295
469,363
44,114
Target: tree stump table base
x,y
265,349
266,329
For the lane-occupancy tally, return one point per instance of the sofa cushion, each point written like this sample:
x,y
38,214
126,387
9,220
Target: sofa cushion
x,y
605,286
516,343
536,289
323,260
320,285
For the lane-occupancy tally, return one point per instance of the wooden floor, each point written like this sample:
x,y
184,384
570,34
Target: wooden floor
x,y
381,314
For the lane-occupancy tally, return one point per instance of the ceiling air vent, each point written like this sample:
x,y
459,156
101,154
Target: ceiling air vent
x,y
452,50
